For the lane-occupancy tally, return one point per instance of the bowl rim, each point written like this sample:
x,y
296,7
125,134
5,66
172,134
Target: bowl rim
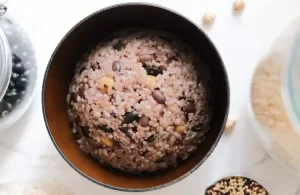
x,y
135,189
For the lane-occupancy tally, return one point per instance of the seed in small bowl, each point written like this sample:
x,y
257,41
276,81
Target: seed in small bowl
x,y
238,5
236,185
209,17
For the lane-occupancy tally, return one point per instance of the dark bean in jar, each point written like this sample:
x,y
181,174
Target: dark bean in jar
x,y
23,76
17,86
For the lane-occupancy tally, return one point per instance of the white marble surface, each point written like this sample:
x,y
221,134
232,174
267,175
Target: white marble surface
x,y
27,153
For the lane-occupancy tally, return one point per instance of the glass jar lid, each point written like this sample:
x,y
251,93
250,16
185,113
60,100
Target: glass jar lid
x,y
5,63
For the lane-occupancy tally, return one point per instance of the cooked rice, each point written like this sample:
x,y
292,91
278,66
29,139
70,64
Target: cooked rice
x,y
98,113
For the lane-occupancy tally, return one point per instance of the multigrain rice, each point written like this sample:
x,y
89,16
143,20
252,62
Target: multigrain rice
x,y
137,104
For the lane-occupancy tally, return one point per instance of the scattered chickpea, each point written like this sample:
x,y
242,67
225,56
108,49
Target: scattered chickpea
x,y
209,17
108,142
105,84
238,5
150,81
230,124
180,129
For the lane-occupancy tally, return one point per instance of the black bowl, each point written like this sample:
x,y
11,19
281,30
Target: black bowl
x,y
86,34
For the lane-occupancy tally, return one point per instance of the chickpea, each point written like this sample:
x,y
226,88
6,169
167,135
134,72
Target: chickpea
x,y
209,17
105,84
180,129
150,81
107,141
238,5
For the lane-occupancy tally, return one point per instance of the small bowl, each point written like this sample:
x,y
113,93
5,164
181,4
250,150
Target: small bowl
x,y
80,39
230,181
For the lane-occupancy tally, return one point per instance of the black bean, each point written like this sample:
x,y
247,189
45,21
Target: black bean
x,y
11,85
116,66
9,106
73,97
134,129
85,131
27,74
130,117
154,71
12,97
14,77
21,84
159,96
4,113
16,59
81,91
18,68
151,138
119,45
190,107
22,93
77,135
5,107
123,129
105,128
2,105
196,128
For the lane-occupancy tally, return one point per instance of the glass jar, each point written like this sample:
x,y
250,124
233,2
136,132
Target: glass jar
x,y
275,99
18,70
